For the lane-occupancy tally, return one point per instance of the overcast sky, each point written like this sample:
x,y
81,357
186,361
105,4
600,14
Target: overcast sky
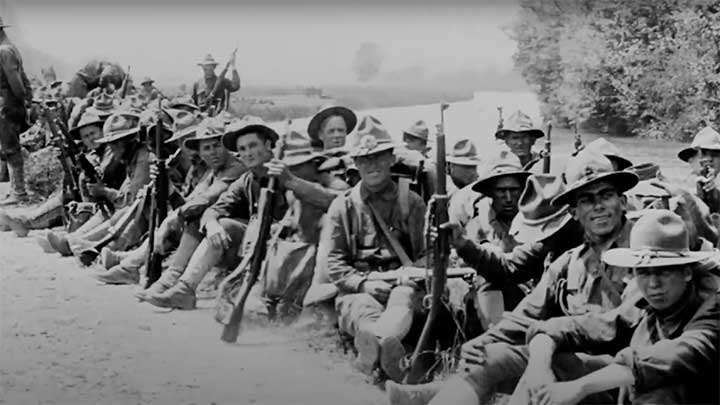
x,y
279,43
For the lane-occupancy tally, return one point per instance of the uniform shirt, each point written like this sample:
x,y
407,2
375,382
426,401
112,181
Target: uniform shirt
x,y
137,176
680,347
462,203
210,186
203,87
350,229
486,226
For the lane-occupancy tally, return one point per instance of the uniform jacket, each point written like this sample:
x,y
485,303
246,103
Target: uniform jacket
x,y
202,88
485,226
137,175
209,188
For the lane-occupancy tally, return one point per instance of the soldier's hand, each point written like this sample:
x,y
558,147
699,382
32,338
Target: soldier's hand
x,y
473,353
380,290
455,232
280,170
217,236
96,190
154,171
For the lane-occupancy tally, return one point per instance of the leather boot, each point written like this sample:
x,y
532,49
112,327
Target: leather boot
x,y
367,345
167,279
60,243
44,244
403,394
179,296
392,354
118,275
4,227
110,258
16,171
17,223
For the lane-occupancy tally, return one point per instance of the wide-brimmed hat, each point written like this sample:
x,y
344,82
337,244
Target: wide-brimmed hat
x,y
658,238
418,130
298,150
119,126
208,60
184,124
504,164
316,121
147,79
209,129
103,105
245,126
647,173
463,153
88,118
590,167
135,103
537,218
521,123
706,138
2,23
611,151
372,138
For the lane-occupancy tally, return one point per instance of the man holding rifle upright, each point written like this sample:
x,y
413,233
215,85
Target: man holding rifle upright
x,y
210,90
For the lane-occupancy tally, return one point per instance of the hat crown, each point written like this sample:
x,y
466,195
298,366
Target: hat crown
x,y
518,122
121,122
182,119
503,162
103,101
208,60
419,129
660,230
603,147
586,165
536,200
89,117
297,144
464,148
371,128
147,79
706,138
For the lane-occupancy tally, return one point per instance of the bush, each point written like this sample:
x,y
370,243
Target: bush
x,y
649,65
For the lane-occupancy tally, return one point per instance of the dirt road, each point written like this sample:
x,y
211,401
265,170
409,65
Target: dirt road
x,y
65,339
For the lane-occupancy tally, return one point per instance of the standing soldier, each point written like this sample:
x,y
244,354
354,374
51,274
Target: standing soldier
x,y
519,134
416,138
463,165
148,92
203,88
15,92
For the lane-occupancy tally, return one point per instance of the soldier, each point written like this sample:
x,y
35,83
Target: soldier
x,y
329,128
463,165
148,92
225,222
666,353
576,283
203,88
375,226
15,94
691,154
416,137
707,143
185,220
519,134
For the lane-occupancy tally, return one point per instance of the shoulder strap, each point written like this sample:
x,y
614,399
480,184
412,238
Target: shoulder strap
x,y
404,196
396,246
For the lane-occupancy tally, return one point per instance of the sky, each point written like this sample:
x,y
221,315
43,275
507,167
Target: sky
x,y
283,43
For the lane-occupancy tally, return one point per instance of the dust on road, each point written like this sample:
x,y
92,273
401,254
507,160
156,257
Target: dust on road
x,y
65,339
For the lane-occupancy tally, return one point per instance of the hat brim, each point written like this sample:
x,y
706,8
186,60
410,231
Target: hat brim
x,y
102,113
378,149
118,136
686,154
229,139
482,185
301,159
524,231
184,133
626,257
414,135
347,114
624,181
463,161
503,133
620,162
207,63
74,131
194,142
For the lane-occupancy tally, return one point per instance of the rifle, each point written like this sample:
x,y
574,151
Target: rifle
x,y
547,150
66,158
578,145
441,252
125,84
212,99
501,122
159,205
248,272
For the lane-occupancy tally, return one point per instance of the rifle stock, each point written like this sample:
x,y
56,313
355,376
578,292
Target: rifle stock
x,y
441,253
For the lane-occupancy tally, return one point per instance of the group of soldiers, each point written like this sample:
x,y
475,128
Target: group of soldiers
x,y
594,286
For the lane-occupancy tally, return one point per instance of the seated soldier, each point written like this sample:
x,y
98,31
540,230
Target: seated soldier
x,y
416,138
576,283
519,134
666,340
329,128
121,134
463,165
224,223
708,189
224,169
375,226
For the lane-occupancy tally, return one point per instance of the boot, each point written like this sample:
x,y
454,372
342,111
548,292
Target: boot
x,y
118,275
18,223
110,258
59,243
179,296
402,394
392,353
44,244
4,227
167,279
367,345
4,175
16,171
13,199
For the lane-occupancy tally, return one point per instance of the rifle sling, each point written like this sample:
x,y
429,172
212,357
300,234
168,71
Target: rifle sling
x,y
394,243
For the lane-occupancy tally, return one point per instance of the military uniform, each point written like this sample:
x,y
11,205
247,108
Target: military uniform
x,y
203,88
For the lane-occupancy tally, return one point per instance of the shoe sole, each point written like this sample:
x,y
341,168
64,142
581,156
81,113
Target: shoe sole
x,y
368,349
185,306
392,352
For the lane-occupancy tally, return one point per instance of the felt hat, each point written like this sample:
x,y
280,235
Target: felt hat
x,y
521,123
147,79
208,60
119,126
611,151
184,124
298,150
504,164
658,238
208,129
464,153
2,23
103,105
372,138
706,138
590,167
316,121
247,125
418,130
537,218
88,118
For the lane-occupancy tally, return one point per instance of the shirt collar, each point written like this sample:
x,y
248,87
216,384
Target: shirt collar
x,y
388,193
621,238
674,320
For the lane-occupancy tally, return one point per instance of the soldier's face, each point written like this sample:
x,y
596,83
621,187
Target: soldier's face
x,y
252,150
663,287
208,70
89,134
506,194
599,209
462,175
519,143
333,132
710,158
414,143
375,169
213,152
